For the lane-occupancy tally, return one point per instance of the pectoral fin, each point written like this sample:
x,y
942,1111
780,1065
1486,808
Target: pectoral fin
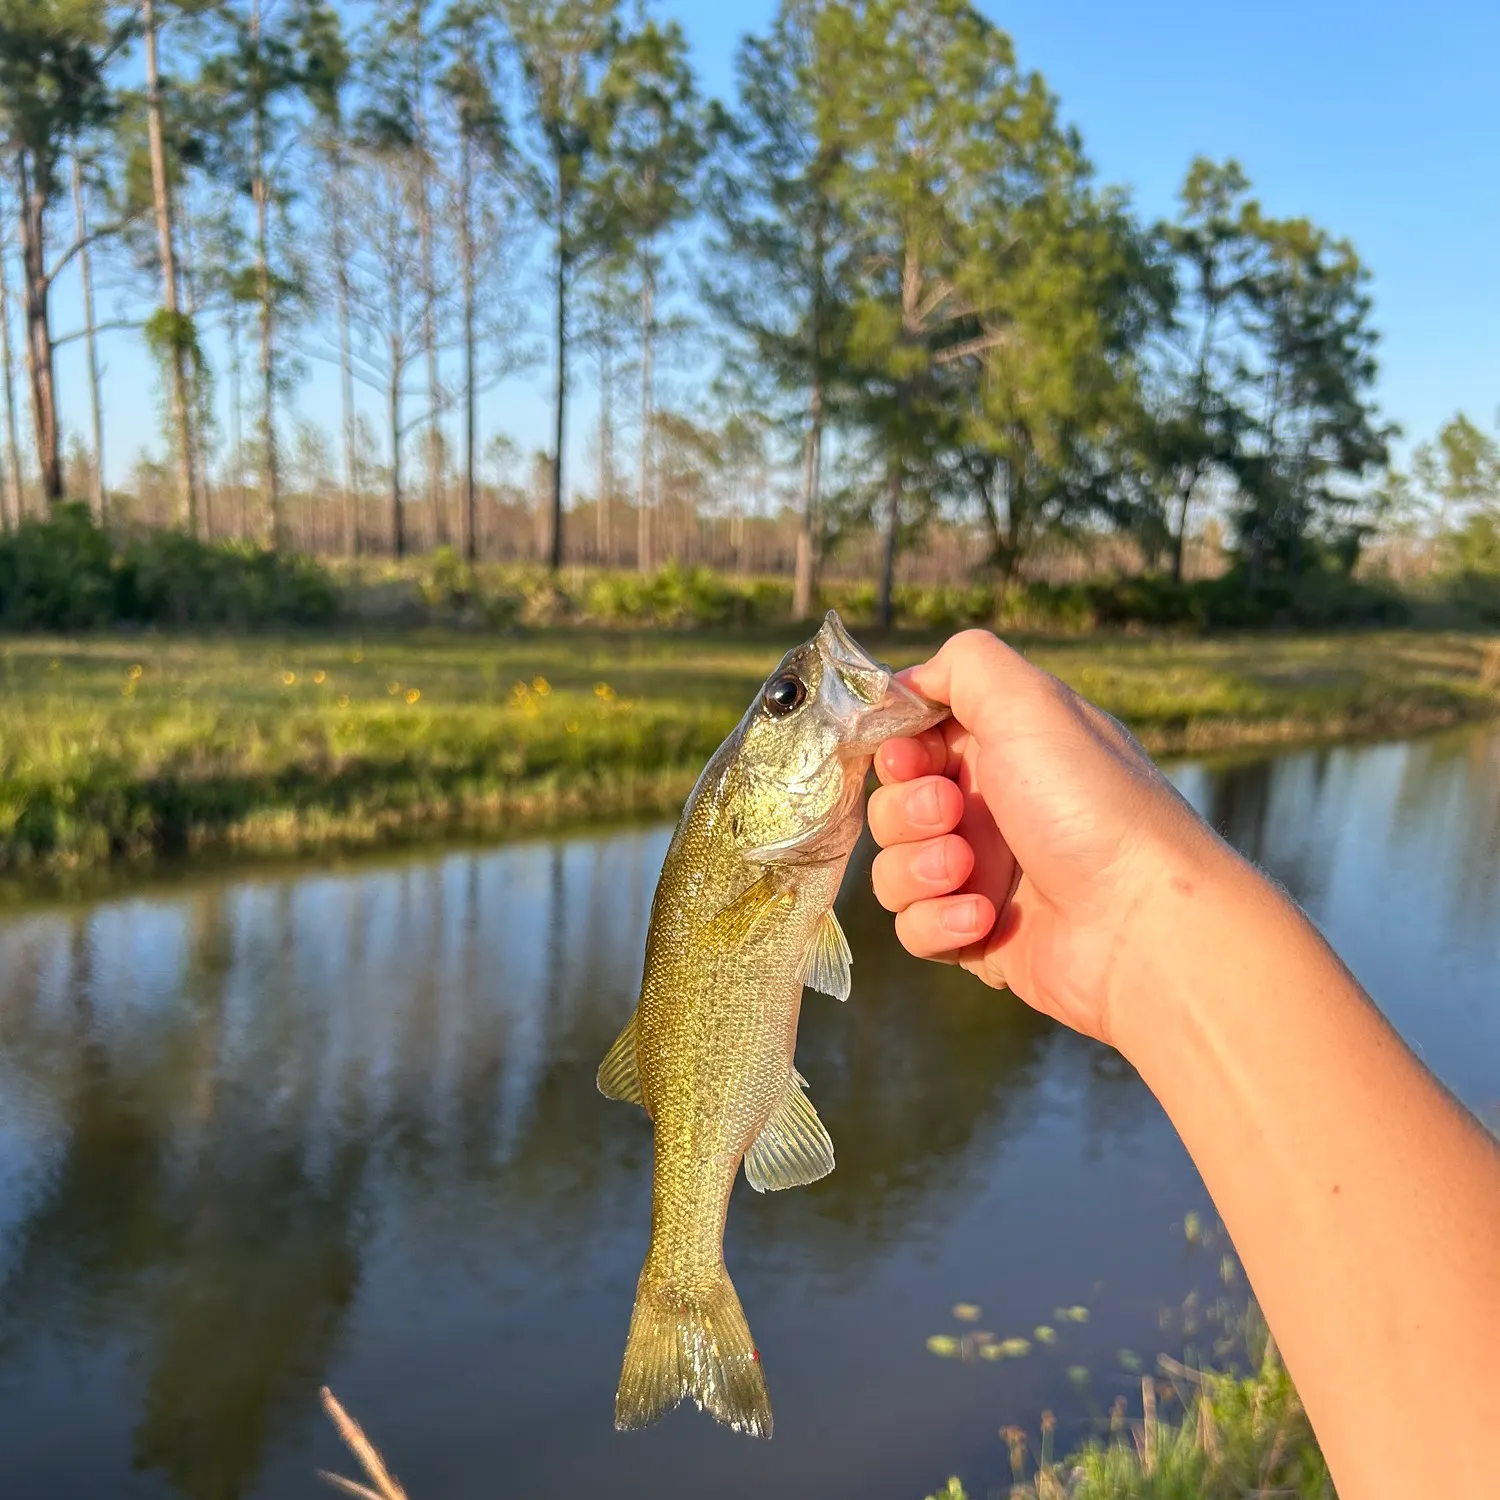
x,y
794,1147
825,964
619,1074
741,917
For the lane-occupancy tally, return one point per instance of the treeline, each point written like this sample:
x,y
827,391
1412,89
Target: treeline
x,y
926,315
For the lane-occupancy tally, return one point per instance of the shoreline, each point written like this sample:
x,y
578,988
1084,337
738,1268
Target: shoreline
x,y
120,757
270,843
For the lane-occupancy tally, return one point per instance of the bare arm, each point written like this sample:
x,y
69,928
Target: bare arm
x,y
1033,841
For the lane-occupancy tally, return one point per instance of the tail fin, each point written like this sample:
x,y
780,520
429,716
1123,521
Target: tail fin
x,y
692,1344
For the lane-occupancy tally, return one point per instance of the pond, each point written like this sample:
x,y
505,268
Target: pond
x,y
281,1128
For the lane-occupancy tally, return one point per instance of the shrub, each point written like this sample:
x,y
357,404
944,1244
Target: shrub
x,y
61,572
56,573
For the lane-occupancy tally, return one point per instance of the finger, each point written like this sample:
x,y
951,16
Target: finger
x,y
904,760
935,752
984,682
945,925
916,872
909,810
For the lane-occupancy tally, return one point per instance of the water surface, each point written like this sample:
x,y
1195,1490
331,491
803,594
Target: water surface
x,y
263,1132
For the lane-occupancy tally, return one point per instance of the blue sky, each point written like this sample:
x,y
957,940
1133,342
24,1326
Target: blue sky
x,y
1379,121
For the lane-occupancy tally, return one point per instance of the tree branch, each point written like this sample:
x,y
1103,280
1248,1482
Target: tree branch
x,y
103,232
971,346
112,327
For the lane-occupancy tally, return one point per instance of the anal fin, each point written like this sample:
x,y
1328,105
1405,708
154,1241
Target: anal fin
x,y
619,1075
794,1148
825,964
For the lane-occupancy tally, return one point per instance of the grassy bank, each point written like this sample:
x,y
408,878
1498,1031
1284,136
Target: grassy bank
x,y
1200,1435
128,748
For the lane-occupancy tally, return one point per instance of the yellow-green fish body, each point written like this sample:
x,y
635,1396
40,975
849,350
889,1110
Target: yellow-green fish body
x,y
743,918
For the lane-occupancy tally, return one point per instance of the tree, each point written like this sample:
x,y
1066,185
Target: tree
x,y
470,85
1070,289
1459,471
943,147
563,49
402,57
1200,424
12,492
271,66
170,328
54,59
1313,368
331,148
659,139
783,243
607,314
387,295
86,286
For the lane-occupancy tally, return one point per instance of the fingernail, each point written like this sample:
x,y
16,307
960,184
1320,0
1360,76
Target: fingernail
x,y
932,862
927,805
961,917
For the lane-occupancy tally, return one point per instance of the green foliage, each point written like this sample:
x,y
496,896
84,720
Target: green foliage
x,y
63,573
57,573
1238,1435
134,746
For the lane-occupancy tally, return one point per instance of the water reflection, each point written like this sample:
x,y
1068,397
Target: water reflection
x,y
262,1131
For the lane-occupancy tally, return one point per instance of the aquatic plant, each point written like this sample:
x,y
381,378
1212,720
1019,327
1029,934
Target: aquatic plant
x,y
1238,1434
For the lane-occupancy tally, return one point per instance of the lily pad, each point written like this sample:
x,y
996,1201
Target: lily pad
x,y
1043,1334
966,1312
1192,1228
1130,1360
944,1345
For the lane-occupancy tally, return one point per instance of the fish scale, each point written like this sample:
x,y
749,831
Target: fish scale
x,y
743,912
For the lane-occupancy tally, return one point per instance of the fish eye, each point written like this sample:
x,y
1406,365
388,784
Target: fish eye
x,y
784,695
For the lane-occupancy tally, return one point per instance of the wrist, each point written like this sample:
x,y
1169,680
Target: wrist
x,y
1209,914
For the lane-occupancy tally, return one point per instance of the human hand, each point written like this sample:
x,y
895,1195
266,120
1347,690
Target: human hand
x,y
1030,839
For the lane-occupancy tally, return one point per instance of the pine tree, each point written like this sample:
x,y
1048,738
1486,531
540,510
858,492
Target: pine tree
x,y
660,137
563,50
782,271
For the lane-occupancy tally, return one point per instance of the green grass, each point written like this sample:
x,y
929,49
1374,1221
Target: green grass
x,y
1231,1435
131,748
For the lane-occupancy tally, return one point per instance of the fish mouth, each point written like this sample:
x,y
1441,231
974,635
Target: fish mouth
x,y
872,704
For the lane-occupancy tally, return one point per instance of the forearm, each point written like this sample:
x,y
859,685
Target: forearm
x,y
1364,1202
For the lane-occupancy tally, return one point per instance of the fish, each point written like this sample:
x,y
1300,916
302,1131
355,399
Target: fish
x,y
743,920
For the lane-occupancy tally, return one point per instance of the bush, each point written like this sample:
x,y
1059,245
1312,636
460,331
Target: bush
x,y
57,573
62,572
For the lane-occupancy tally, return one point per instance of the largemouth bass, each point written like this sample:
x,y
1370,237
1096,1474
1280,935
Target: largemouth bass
x,y
742,920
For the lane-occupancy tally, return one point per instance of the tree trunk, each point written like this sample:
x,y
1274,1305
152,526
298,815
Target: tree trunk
x,y
161,189
85,267
468,520
606,447
555,556
889,527
236,408
260,192
197,420
36,292
346,357
1179,537
648,418
12,496
805,582
393,396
